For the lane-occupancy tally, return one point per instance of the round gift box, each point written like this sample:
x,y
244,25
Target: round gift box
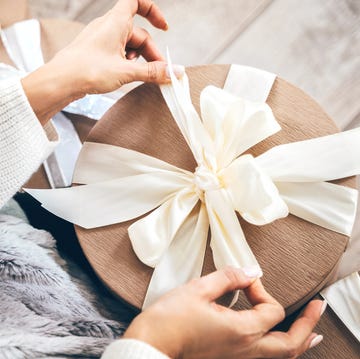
x,y
297,257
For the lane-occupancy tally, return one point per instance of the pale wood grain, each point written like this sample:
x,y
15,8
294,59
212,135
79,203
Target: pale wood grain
x,y
94,9
58,8
313,44
355,122
200,29
198,32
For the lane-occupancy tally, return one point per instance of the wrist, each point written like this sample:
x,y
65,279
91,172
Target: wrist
x,y
51,88
153,335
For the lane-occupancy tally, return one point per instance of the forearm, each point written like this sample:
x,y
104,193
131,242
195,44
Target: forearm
x,y
51,88
24,144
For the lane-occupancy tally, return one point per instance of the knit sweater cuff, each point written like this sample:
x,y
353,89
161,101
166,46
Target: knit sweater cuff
x,y
132,349
24,144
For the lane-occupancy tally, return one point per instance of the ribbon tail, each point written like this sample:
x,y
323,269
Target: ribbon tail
x,y
325,204
228,241
344,299
249,83
104,203
96,164
184,258
151,236
178,99
22,42
350,262
319,159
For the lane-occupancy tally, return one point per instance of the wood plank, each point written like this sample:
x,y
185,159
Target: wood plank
x,y
94,9
198,32
355,122
68,9
313,44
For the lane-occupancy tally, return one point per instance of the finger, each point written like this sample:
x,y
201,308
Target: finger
x,y
152,12
155,72
278,345
216,284
141,41
304,325
131,54
267,311
297,340
145,8
256,294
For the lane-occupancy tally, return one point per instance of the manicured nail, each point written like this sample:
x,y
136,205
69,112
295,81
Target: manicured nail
x,y
252,272
179,71
317,340
166,28
323,308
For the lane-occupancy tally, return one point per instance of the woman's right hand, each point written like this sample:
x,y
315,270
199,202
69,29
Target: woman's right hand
x,y
100,59
187,323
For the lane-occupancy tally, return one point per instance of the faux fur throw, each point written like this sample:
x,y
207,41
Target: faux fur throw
x,y
44,312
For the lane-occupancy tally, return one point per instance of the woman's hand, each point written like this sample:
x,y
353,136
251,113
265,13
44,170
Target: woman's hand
x,y
100,59
104,51
187,323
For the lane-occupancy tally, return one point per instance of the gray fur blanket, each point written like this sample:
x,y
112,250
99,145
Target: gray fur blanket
x,y
45,312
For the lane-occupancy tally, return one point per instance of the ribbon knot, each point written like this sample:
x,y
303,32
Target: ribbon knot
x,y
205,180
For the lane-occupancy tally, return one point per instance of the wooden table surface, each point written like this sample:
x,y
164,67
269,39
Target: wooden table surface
x,y
313,44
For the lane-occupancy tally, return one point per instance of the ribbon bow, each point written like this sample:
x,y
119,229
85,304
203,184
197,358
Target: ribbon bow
x,y
172,238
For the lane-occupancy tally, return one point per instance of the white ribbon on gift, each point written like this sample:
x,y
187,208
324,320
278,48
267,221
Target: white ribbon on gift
x,y
344,299
121,184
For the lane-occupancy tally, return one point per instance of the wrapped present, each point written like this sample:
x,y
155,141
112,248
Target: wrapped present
x,y
256,174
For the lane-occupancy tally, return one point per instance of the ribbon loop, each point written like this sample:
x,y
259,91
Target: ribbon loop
x,y
252,192
151,235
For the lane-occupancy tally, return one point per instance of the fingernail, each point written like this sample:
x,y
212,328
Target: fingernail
x,y
323,308
178,70
166,28
252,272
317,340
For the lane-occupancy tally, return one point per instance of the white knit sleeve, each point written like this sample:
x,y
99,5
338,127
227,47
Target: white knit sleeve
x,y
132,349
24,145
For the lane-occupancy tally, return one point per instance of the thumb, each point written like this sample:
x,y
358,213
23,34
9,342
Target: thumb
x,y
155,71
214,285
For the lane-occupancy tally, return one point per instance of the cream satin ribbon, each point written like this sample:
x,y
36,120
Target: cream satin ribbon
x,y
344,299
